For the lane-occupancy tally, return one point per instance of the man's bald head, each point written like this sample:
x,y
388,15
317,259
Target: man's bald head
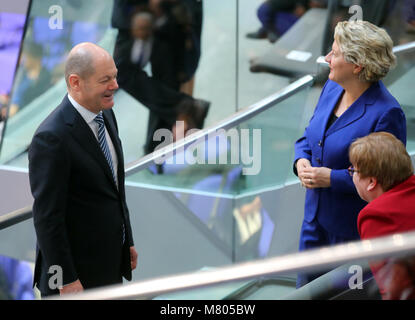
x,y
91,77
82,59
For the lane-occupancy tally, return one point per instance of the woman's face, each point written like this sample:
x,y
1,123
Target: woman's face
x,y
361,185
341,71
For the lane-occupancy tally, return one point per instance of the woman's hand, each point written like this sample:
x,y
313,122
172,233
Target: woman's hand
x,y
316,177
301,165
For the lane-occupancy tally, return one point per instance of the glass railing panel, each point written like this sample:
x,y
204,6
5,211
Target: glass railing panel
x,y
16,279
400,83
19,241
277,128
59,25
255,154
220,179
214,214
53,28
12,23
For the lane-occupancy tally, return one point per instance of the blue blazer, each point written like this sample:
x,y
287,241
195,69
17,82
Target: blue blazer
x,y
336,208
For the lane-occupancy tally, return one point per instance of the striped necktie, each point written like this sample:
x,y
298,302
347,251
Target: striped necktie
x,y
103,143
104,147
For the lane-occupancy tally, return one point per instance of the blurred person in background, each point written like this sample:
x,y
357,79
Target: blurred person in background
x,y
410,12
353,103
15,279
33,78
166,104
277,16
383,174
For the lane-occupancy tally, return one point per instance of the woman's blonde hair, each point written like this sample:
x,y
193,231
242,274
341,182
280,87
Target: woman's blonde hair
x,y
366,45
382,156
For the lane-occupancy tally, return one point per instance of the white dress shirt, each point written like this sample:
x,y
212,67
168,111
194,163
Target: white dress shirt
x,y
89,117
141,51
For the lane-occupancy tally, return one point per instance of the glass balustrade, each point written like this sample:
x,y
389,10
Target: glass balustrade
x,y
399,82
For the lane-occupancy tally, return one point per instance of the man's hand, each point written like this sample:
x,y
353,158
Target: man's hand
x,y
133,257
73,287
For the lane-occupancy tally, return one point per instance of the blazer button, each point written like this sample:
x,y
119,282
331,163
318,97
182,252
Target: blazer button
x,y
318,160
320,143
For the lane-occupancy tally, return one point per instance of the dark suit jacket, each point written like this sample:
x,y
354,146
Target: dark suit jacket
x,y
153,94
159,98
78,212
336,208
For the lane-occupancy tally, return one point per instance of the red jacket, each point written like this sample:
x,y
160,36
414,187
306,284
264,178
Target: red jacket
x,y
392,212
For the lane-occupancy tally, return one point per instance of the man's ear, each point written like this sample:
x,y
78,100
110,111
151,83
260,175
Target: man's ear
x,y
373,182
74,82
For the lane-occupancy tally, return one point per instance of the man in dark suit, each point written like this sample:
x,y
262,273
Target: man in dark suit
x,y
76,172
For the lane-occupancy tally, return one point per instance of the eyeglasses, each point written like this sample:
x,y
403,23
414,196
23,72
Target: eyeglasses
x,y
352,170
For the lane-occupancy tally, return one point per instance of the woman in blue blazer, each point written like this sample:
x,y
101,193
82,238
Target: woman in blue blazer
x,y
353,103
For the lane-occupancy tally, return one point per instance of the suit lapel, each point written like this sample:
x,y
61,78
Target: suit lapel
x,y
83,134
355,111
331,101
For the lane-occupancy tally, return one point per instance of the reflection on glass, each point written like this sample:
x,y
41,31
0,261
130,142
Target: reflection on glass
x,y
220,177
395,277
253,156
254,229
399,82
12,21
39,85
16,279
32,77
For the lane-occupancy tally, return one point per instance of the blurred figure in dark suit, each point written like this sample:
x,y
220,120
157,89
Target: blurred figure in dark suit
x,y
165,103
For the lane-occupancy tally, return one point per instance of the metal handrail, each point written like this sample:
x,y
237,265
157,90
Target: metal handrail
x,y
406,47
9,219
310,261
227,123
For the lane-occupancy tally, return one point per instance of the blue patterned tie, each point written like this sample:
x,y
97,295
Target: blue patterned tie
x,y
104,147
103,143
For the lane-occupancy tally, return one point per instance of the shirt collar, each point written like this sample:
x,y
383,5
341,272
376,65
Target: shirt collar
x,y
87,115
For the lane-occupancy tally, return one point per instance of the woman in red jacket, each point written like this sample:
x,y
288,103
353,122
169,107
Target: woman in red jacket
x,y
383,175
